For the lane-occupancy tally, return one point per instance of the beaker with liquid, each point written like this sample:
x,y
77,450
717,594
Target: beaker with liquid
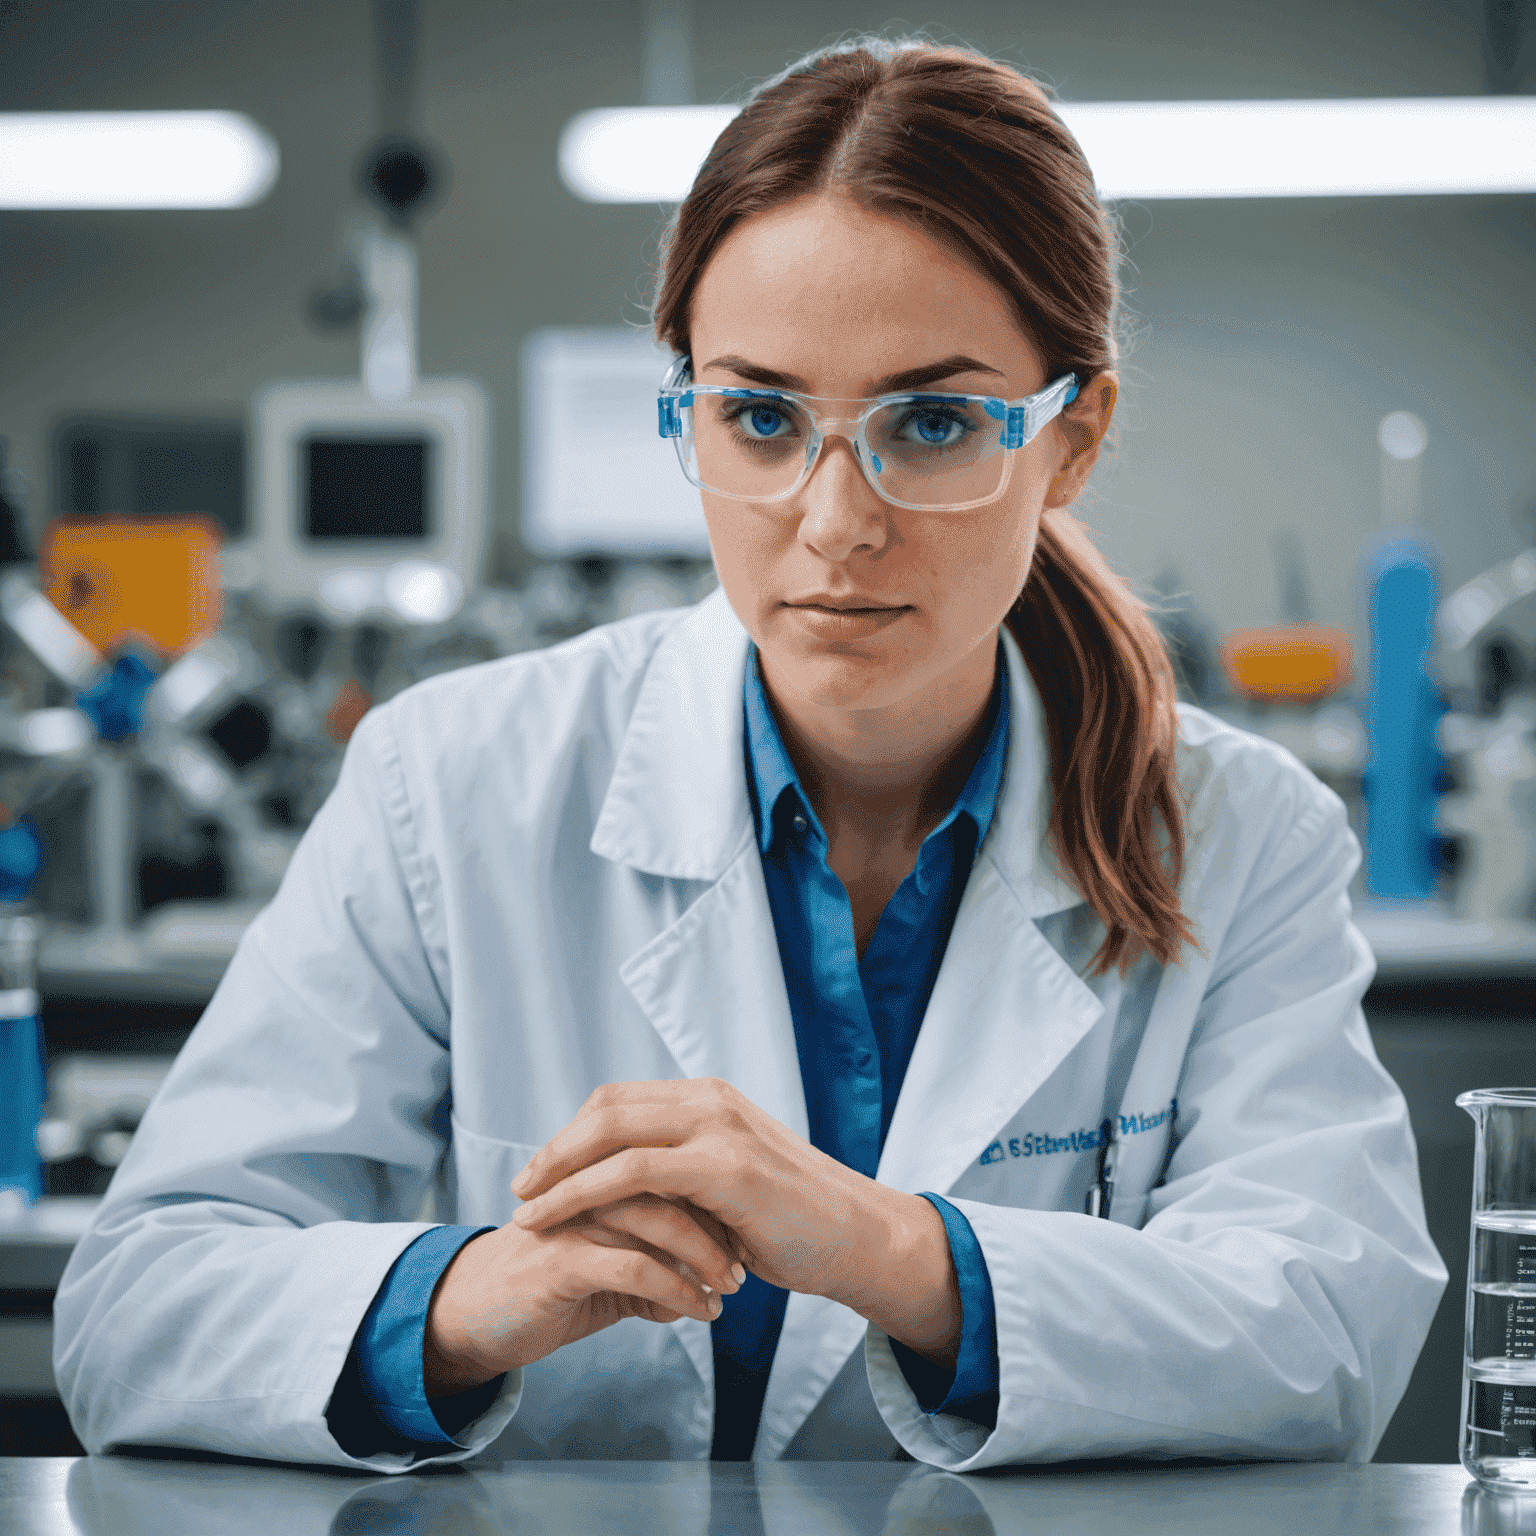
x,y
1498,1391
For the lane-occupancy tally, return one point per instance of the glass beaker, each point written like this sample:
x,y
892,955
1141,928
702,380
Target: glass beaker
x,y
1498,1390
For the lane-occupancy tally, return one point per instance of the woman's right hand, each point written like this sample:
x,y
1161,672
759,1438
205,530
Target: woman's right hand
x,y
510,1297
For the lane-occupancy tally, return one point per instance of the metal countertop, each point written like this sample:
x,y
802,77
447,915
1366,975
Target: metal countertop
x,y
126,1496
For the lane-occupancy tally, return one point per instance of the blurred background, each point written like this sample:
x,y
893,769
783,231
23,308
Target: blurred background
x,y
263,465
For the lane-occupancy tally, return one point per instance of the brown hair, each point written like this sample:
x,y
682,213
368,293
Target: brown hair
x,y
970,151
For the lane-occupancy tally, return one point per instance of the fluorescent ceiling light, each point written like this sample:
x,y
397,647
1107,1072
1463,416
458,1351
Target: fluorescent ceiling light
x,y
638,154
1151,149
133,160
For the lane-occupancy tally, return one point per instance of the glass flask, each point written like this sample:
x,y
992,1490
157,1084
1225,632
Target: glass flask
x,y
1498,1392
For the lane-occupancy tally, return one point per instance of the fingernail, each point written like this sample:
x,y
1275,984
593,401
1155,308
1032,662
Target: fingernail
x,y
738,1274
716,1306
708,1290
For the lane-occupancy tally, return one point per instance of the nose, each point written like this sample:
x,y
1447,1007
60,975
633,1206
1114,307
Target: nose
x,y
840,512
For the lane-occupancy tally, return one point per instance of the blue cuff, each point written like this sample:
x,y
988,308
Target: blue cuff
x,y
970,1390
389,1346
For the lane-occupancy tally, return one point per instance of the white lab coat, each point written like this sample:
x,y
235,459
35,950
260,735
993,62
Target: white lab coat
x,y
539,875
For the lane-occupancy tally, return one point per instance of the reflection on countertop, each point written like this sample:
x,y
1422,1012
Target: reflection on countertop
x,y
136,1496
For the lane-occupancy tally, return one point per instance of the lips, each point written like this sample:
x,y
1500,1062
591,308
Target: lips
x,y
845,604
844,618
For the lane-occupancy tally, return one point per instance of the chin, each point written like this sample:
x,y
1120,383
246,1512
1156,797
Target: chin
x,y
836,680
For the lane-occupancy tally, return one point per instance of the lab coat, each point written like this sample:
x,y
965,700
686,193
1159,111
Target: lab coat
x,y
539,875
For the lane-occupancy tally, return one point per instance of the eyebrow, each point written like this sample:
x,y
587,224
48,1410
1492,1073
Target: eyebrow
x,y
907,378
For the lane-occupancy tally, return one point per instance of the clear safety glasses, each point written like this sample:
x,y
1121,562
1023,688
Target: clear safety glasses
x,y
931,452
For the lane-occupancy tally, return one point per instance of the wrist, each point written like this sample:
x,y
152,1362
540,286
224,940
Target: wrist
x,y
450,1362
903,1277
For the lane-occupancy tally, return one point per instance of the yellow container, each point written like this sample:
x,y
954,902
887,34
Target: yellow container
x,y
1287,663
141,578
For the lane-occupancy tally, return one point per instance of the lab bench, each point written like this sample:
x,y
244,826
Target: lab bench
x,y
93,1496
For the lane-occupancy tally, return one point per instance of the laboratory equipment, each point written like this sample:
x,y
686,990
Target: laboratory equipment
x,y
1485,661
597,478
122,465
1402,714
371,494
21,1041
121,579
1288,679
1287,663
1498,1420
95,1103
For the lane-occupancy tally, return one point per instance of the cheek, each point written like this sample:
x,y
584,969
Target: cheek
x,y
747,547
976,570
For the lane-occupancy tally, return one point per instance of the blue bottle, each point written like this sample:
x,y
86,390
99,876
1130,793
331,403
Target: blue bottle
x,y
22,1079
1402,714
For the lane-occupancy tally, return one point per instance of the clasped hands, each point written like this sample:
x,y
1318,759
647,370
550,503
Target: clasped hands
x,y
653,1202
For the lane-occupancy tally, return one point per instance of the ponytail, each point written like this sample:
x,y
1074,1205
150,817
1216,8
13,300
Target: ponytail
x,y
1107,688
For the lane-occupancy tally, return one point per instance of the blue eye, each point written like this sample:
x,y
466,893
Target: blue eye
x,y
931,427
762,421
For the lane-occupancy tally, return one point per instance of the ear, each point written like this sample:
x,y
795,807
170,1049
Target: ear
x,y
1080,429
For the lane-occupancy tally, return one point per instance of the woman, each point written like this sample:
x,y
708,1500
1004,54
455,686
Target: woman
x,y
812,963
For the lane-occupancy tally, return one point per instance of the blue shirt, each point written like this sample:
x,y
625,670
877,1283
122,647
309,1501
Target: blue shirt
x,y
856,1022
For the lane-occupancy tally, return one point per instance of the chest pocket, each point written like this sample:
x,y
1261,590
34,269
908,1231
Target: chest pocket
x,y
483,1172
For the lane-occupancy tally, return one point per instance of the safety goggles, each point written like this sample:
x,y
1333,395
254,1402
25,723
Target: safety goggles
x,y
931,452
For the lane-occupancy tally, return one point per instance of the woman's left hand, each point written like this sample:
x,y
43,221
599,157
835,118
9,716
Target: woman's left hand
x,y
799,1219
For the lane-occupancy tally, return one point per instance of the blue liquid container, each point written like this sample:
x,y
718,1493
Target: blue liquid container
x,y
23,1081
1402,713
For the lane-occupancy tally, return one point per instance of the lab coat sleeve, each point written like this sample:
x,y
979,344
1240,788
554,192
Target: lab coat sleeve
x,y
1280,1285
278,1173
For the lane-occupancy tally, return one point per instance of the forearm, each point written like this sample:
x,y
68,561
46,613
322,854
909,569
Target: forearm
x,y
230,1307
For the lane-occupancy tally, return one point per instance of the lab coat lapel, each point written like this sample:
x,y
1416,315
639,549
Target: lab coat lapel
x,y
1006,1009
711,982
713,987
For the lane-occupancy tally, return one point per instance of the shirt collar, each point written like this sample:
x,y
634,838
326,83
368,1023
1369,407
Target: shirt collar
x,y
771,774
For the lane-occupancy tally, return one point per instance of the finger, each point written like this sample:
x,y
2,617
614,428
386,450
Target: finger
x,y
637,1171
652,1313
599,1133
722,1234
632,1273
592,1231
664,1226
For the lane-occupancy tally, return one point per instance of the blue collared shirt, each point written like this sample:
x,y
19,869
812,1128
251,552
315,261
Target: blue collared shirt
x,y
856,1022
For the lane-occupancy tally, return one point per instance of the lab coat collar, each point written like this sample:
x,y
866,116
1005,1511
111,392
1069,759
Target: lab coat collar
x,y
677,805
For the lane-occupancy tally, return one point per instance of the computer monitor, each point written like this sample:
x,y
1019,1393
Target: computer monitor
x,y
347,486
598,478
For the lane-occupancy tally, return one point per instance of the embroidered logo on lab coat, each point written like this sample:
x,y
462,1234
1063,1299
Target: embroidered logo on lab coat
x,y
1043,1144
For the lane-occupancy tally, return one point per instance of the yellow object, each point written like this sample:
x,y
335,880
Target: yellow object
x,y
152,579
1292,663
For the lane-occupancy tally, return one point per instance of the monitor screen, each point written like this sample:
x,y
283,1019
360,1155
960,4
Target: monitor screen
x,y
146,466
365,487
599,478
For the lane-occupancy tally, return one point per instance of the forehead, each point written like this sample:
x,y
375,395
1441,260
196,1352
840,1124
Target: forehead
x,y
823,288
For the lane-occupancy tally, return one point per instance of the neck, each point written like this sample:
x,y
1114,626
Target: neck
x,y
894,771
